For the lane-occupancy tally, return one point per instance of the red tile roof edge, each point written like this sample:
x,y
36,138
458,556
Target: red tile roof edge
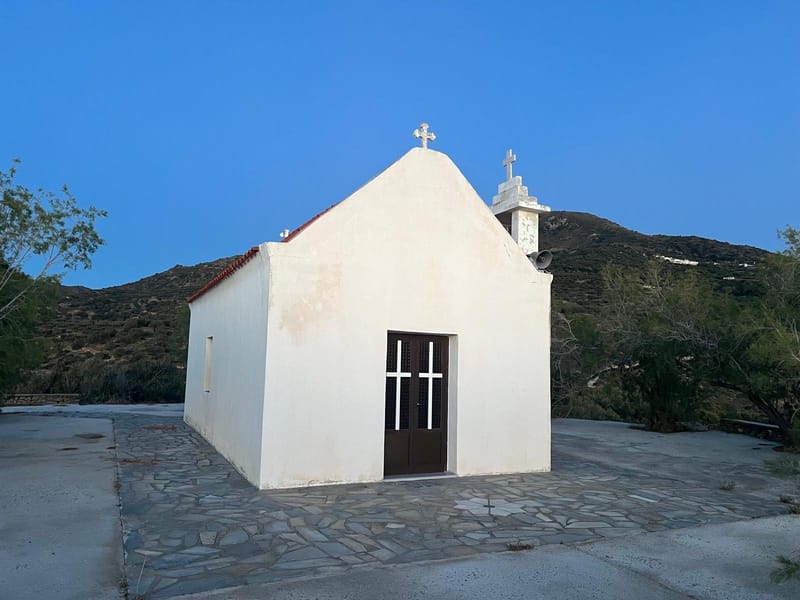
x,y
297,231
309,222
227,272
232,268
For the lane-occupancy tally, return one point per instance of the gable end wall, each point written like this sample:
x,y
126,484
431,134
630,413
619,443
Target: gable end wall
x,y
416,250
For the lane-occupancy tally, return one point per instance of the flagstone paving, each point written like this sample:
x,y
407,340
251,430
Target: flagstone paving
x,y
191,523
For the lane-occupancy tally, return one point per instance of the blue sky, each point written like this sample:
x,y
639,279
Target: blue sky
x,y
207,127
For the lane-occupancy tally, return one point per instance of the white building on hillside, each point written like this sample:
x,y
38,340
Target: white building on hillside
x,y
401,331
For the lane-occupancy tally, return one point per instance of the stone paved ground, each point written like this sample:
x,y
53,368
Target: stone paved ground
x,y
191,523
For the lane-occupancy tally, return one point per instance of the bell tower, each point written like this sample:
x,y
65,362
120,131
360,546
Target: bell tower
x,y
516,210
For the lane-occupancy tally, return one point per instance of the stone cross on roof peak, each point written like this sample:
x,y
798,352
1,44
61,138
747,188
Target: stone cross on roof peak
x,y
510,159
424,135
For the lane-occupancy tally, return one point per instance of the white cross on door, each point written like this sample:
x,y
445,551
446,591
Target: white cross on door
x,y
430,376
398,374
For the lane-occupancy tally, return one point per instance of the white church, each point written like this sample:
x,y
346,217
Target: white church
x,y
403,331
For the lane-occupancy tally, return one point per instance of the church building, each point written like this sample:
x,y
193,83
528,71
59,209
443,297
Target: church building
x,y
403,331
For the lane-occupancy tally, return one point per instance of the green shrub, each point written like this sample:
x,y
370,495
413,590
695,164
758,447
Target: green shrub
x,y
136,382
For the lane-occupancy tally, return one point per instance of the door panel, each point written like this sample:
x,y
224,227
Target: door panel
x,y
415,404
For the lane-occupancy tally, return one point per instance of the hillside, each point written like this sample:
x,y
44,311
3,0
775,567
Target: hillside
x,y
582,244
129,341
146,321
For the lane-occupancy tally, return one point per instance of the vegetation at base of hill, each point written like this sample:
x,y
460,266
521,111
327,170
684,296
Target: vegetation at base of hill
x,y
40,232
667,345
659,330
122,344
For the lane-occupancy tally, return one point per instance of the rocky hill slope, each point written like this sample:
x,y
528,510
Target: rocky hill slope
x,y
582,244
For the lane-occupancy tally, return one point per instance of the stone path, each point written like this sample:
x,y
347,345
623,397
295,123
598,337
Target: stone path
x,y
191,523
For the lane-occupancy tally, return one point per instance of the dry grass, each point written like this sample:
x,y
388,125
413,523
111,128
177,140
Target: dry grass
x,y
519,546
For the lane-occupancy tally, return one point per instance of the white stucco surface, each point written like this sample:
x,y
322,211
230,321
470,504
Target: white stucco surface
x,y
300,335
415,250
230,414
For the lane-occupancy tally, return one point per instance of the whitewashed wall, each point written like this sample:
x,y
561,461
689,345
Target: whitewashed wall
x,y
230,416
415,250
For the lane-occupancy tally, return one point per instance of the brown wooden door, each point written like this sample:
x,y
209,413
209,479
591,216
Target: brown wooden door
x,y
416,404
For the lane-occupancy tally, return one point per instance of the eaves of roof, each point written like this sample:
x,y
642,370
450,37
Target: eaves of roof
x,y
297,231
233,267
227,272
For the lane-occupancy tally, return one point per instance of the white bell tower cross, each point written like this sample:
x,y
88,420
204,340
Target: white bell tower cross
x,y
516,210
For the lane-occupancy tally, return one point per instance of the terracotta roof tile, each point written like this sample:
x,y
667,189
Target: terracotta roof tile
x,y
309,222
227,272
233,267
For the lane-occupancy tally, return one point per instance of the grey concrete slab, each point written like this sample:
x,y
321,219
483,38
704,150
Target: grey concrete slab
x,y
627,441
717,562
59,517
551,572
731,561
712,458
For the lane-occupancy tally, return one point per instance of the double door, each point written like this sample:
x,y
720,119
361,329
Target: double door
x,y
416,404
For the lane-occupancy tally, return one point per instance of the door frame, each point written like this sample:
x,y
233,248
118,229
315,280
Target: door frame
x,y
446,395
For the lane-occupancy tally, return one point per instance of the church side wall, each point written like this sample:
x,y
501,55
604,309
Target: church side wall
x,y
229,415
412,257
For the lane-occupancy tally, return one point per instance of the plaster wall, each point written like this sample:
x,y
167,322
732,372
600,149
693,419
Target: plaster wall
x,y
415,250
230,415
525,229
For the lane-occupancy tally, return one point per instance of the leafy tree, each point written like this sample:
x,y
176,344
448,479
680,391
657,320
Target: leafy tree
x,y
675,336
577,354
660,325
761,354
42,234
791,237
20,344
